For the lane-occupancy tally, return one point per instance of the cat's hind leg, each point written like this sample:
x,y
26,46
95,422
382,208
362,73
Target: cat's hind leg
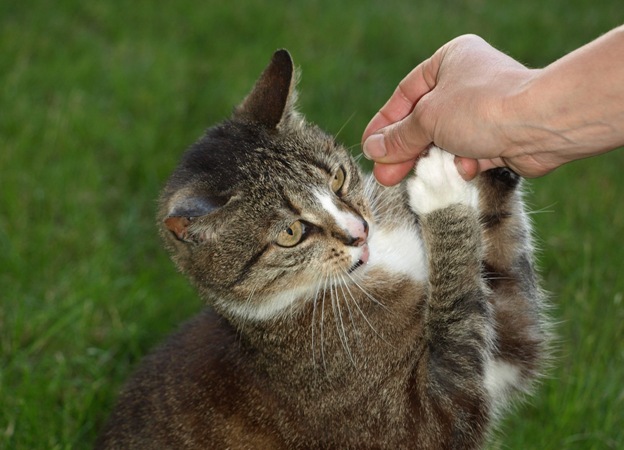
x,y
522,332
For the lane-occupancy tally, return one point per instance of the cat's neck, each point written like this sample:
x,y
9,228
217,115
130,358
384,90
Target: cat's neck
x,y
327,342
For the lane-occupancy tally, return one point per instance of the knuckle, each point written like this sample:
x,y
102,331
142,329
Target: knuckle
x,y
398,140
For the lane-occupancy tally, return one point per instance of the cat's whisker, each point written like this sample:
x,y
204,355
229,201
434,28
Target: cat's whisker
x,y
545,209
340,329
375,194
358,157
488,277
343,285
390,211
352,146
318,296
323,323
362,312
344,288
369,188
365,292
345,124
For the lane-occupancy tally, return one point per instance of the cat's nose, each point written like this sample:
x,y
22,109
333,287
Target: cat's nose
x,y
358,233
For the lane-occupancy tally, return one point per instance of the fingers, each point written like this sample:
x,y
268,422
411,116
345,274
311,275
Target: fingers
x,y
420,81
394,138
437,100
469,168
416,84
487,164
391,174
400,142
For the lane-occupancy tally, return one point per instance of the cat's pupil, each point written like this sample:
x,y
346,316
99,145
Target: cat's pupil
x,y
292,235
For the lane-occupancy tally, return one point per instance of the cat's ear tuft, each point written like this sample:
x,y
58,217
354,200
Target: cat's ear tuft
x,y
184,210
273,94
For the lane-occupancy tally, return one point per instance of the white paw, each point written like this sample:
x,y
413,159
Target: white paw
x,y
437,184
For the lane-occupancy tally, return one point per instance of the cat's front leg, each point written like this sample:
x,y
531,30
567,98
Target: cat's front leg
x,y
458,326
437,184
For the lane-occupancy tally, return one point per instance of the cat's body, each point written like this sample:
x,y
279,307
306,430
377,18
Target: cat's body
x,y
343,314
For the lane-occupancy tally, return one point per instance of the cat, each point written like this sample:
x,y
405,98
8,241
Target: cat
x,y
341,314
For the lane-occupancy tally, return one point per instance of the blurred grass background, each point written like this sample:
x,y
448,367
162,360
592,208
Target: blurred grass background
x,y
97,102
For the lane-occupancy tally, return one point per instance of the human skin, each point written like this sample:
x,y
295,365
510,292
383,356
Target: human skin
x,y
491,111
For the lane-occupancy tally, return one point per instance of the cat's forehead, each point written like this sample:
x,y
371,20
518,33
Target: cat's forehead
x,y
283,180
273,176
286,158
263,172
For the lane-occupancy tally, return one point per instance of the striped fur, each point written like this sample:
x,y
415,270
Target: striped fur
x,y
405,317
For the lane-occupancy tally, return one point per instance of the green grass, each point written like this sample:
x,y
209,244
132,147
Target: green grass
x,y
97,102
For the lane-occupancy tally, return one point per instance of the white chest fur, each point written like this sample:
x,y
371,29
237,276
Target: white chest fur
x,y
398,250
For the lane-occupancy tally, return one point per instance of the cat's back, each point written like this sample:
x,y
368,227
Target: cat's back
x,y
199,375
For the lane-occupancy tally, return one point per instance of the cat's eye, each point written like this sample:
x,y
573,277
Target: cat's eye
x,y
292,235
338,180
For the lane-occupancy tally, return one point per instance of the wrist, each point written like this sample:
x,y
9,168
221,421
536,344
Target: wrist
x,y
537,131
520,115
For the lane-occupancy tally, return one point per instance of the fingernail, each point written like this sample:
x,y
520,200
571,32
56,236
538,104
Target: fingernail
x,y
374,147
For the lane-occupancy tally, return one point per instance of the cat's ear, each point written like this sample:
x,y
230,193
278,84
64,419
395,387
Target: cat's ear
x,y
183,211
273,95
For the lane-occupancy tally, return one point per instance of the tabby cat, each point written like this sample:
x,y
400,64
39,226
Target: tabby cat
x,y
341,314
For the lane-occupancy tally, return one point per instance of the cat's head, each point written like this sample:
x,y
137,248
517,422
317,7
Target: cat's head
x,y
265,207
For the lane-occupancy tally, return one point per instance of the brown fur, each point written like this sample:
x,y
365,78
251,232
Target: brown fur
x,y
377,360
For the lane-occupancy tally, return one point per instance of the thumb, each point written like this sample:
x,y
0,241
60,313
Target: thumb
x,y
396,143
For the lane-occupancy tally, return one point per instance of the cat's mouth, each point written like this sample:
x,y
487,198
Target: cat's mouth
x,y
363,259
359,263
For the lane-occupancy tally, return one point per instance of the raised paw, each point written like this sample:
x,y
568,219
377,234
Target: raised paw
x,y
437,184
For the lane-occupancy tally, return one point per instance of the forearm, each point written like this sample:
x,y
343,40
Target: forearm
x,y
573,108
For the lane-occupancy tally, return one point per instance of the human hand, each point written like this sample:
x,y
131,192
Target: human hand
x,y
455,99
